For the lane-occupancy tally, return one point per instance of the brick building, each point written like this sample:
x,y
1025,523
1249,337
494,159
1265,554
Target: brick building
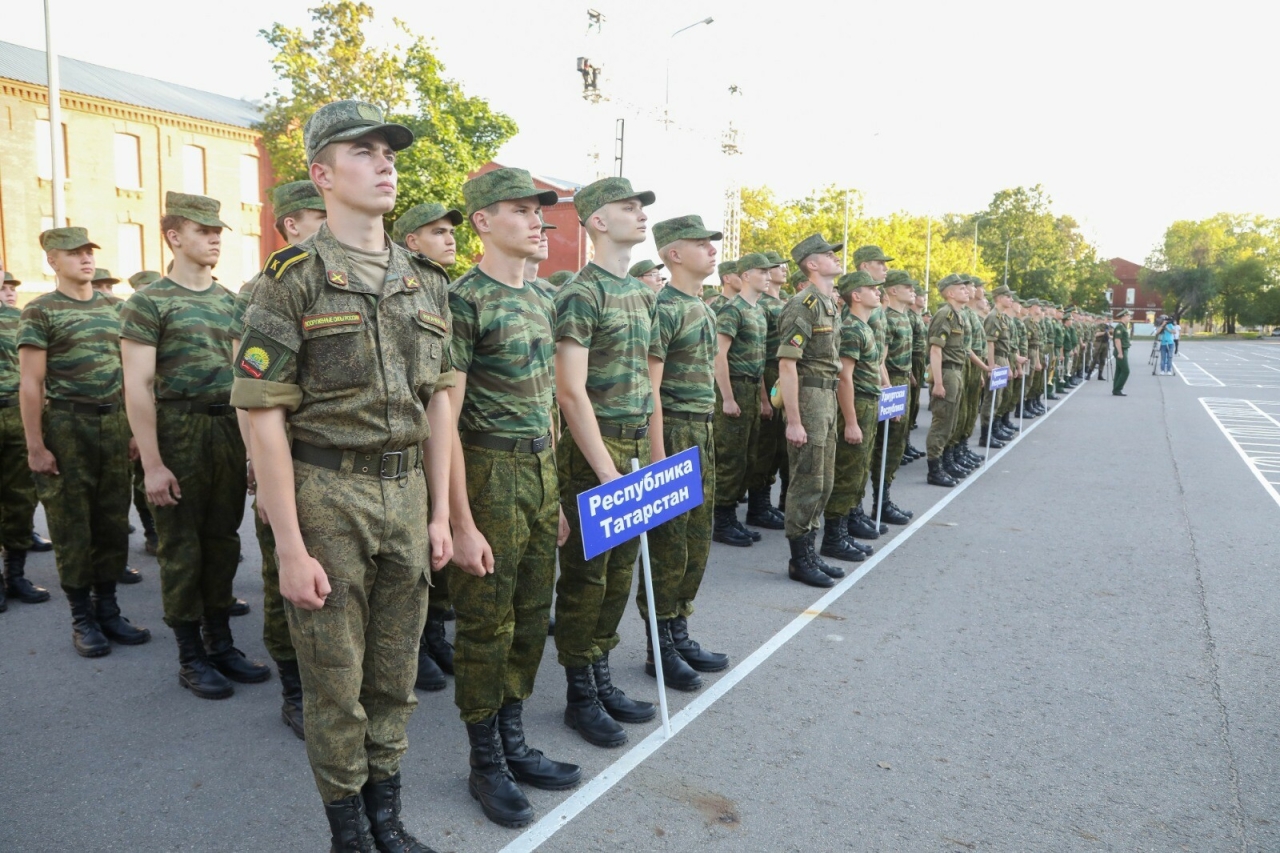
x,y
1146,305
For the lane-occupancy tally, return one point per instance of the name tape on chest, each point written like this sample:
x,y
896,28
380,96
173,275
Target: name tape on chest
x,y
311,322
431,319
822,330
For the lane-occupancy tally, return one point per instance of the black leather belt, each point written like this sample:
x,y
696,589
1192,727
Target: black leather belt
x,y
629,433
212,409
511,445
689,416
8,402
819,382
83,408
392,465
744,378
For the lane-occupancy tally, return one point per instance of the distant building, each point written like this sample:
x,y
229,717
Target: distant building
x,y
128,139
568,242
1146,305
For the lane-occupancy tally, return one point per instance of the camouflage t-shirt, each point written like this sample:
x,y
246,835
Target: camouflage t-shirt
x,y
684,340
772,307
9,350
611,317
504,340
880,327
746,325
236,325
81,340
717,302
919,336
809,330
977,336
947,330
858,342
191,333
901,339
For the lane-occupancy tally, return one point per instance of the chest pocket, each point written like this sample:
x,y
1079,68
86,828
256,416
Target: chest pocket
x,y
430,339
338,357
822,344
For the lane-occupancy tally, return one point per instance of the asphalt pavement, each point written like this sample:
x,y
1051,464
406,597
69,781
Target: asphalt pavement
x,y
1073,652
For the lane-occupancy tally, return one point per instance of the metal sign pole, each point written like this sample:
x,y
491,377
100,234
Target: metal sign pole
x,y
884,455
653,624
1022,400
990,421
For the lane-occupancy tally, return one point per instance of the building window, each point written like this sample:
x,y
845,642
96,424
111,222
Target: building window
x,y
250,193
193,169
128,162
128,249
1128,296
44,152
250,260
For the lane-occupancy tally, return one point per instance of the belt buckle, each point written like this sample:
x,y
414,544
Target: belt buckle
x,y
539,444
400,472
105,408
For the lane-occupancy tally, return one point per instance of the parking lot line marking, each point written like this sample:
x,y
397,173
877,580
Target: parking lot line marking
x,y
1235,411
1197,381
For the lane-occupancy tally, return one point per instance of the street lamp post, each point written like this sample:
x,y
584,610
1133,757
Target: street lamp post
x,y
976,222
1007,243
666,100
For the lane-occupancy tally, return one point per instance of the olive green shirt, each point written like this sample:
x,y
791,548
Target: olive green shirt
x,y
947,330
809,329
81,340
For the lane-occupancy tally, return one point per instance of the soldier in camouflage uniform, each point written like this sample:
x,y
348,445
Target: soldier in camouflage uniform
x,y
1101,344
808,374
682,353
649,273
102,282
344,347
999,333
77,438
948,354
1035,358
899,292
919,362
176,348
730,284
963,460
17,490
741,334
770,453
603,320
559,279
505,506
872,261
151,542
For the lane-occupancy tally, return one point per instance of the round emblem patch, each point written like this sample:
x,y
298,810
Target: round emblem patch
x,y
258,357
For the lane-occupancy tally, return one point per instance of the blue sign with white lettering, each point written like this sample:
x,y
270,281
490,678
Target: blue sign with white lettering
x,y
999,378
622,509
893,402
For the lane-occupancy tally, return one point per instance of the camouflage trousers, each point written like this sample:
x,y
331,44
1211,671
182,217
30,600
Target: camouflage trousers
x,y
275,622
1099,358
358,655
502,617
1001,395
849,482
917,372
87,503
770,454
678,549
897,442
591,595
199,539
1010,395
813,464
17,489
140,493
944,410
735,440
970,402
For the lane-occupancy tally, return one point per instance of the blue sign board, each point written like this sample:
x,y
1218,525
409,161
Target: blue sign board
x,y
893,402
622,509
999,378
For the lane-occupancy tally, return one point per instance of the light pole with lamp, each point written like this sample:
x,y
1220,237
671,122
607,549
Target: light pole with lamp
x,y
976,222
666,101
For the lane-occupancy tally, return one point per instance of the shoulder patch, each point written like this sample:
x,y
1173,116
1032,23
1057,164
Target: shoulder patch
x,y
431,319
810,300
796,340
281,259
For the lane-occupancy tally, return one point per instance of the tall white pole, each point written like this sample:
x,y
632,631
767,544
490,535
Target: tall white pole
x,y
844,256
55,121
928,249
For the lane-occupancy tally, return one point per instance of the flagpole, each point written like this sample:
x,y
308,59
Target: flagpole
x,y
55,121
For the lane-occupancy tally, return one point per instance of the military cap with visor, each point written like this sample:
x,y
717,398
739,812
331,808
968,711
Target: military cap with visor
x,y
949,281
894,278
668,231
796,277
814,244
643,267
294,196
67,239
559,279
597,194
851,281
102,275
1002,290
755,261
777,259
725,268
10,280
869,253
342,121
140,280
422,214
200,209
504,184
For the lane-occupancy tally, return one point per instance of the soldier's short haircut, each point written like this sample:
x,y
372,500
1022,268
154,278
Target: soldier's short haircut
x,y
491,209
171,222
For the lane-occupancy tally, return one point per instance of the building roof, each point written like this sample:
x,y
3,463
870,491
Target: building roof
x,y
83,78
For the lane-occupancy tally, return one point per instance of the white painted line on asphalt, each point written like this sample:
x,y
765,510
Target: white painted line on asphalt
x,y
1239,412
556,819
1197,376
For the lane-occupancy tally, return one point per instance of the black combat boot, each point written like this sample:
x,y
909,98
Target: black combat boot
x,y
860,526
836,546
440,649
938,475
239,607
881,529
491,782
130,575
195,672
39,544
291,694
760,513
619,706
970,458
888,511
676,673
222,653
16,584
527,764
725,531
833,572
107,612
753,535
988,439
800,567
86,634
430,675
382,807
695,655
584,713
1008,423
347,822
951,466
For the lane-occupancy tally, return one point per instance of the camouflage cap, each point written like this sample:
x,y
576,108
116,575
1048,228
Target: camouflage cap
x,y
102,275
294,196
549,226
645,266
668,231
342,121
1032,303
949,281
851,281
920,289
559,279
503,185
66,238
596,195
754,261
1013,294
814,244
422,214
140,280
200,209
895,277
10,280
725,268
976,282
869,253
1002,290
776,259
796,276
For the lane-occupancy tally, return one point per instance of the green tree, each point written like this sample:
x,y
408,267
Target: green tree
x,y
456,133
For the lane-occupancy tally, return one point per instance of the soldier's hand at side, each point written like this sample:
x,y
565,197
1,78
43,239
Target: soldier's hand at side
x,y
938,391
441,544
303,581
471,552
911,380
251,479
563,536
162,487
42,462
134,455
766,411
796,435
853,433
732,409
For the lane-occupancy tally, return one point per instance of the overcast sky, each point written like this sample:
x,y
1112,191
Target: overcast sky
x,y
1130,114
